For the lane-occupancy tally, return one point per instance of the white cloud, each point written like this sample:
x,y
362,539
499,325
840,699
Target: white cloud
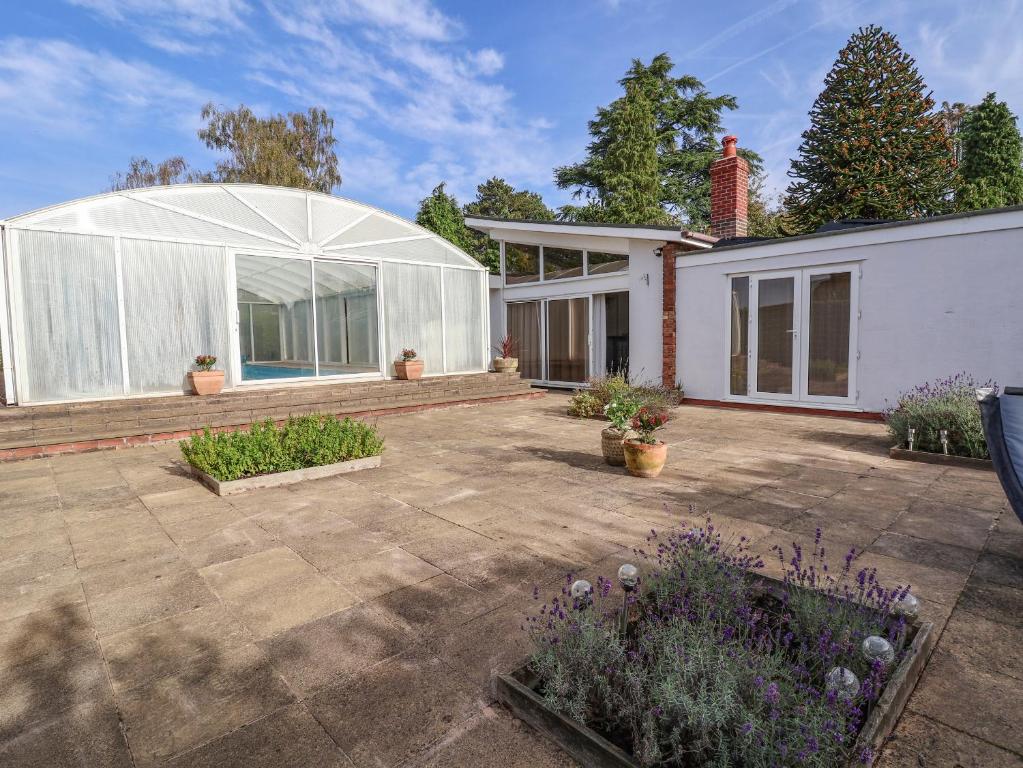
x,y
55,85
167,24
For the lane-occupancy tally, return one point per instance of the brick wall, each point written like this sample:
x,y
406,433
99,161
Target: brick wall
x,y
729,193
669,327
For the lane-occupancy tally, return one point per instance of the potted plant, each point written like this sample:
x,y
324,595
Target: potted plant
x,y
409,367
620,412
645,454
504,362
204,380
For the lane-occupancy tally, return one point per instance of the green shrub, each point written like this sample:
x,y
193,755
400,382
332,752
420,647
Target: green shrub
x,y
303,441
602,390
585,404
944,404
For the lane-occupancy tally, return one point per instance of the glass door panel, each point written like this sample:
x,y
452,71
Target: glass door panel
x,y
830,314
738,359
568,340
346,318
524,327
777,329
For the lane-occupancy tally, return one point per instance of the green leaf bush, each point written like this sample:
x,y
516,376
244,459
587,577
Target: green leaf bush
x,y
949,403
303,441
603,390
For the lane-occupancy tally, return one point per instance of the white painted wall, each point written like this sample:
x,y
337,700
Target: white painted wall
x,y
642,281
936,298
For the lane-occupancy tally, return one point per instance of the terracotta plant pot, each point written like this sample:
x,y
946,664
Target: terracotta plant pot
x,y
611,439
645,460
506,364
408,369
206,382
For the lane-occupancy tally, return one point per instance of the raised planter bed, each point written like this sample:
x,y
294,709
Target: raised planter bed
x,y
927,457
519,692
230,487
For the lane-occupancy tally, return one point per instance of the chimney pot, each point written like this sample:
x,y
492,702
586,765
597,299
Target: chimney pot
x,y
730,142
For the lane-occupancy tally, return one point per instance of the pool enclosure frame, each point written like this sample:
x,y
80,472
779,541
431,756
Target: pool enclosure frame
x,y
407,261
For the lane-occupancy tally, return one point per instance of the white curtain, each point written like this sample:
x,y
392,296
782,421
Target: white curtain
x,y
412,313
70,345
463,320
174,309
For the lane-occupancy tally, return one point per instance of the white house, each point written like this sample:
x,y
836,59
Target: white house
x,y
842,319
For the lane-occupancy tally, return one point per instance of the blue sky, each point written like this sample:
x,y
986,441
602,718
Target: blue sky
x,y
427,91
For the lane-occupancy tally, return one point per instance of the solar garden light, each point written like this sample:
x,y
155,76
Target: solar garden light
x,y
843,682
908,607
911,437
877,648
943,436
581,592
628,577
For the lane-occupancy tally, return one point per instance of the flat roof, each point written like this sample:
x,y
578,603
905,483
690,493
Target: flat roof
x,y
723,245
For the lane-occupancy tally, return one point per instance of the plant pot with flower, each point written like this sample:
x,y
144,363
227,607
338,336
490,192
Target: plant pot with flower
x,y
204,380
408,367
645,454
505,362
620,412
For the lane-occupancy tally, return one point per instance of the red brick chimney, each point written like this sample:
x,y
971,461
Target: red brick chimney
x,y
729,193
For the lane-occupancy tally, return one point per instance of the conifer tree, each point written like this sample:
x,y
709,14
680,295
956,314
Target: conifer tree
x,y
874,148
991,172
441,214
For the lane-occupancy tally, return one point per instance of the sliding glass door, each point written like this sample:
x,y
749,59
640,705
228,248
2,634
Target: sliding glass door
x,y
301,318
552,338
792,335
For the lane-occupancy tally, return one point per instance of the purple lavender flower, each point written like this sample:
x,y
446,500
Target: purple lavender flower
x,y
772,695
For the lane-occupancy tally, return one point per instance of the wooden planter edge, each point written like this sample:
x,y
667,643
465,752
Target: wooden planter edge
x,y
516,690
231,487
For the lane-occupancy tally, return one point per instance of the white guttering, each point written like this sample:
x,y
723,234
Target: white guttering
x,y
656,234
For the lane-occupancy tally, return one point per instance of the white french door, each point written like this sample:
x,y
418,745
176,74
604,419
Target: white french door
x,y
793,335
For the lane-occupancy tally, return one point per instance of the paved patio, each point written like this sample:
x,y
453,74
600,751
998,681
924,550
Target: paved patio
x,y
357,621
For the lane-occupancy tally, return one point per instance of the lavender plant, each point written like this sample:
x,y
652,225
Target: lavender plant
x,y
713,672
948,403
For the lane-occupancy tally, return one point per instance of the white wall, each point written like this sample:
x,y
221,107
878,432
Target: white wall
x,y
642,281
936,298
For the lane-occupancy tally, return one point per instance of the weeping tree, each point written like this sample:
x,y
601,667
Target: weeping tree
x,y
293,150
875,148
991,172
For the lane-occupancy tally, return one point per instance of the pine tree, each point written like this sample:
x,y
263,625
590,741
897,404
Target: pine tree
x,y
687,122
991,171
631,185
874,148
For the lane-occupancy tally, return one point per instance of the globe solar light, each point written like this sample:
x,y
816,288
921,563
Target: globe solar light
x,y
842,681
581,591
943,436
628,577
911,437
909,606
877,648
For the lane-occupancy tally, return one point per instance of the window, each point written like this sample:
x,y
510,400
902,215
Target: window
x,y
524,327
739,356
600,263
521,263
830,297
276,299
561,262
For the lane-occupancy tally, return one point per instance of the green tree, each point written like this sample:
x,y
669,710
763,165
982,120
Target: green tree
x,y
766,218
440,213
498,199
142,173
874,148
293,150
687,121
631,181
991,171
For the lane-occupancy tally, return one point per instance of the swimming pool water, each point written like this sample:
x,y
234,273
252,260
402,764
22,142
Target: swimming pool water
x,y
254,371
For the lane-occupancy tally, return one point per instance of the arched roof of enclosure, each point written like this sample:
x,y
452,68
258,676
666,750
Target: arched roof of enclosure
x,y
250,216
